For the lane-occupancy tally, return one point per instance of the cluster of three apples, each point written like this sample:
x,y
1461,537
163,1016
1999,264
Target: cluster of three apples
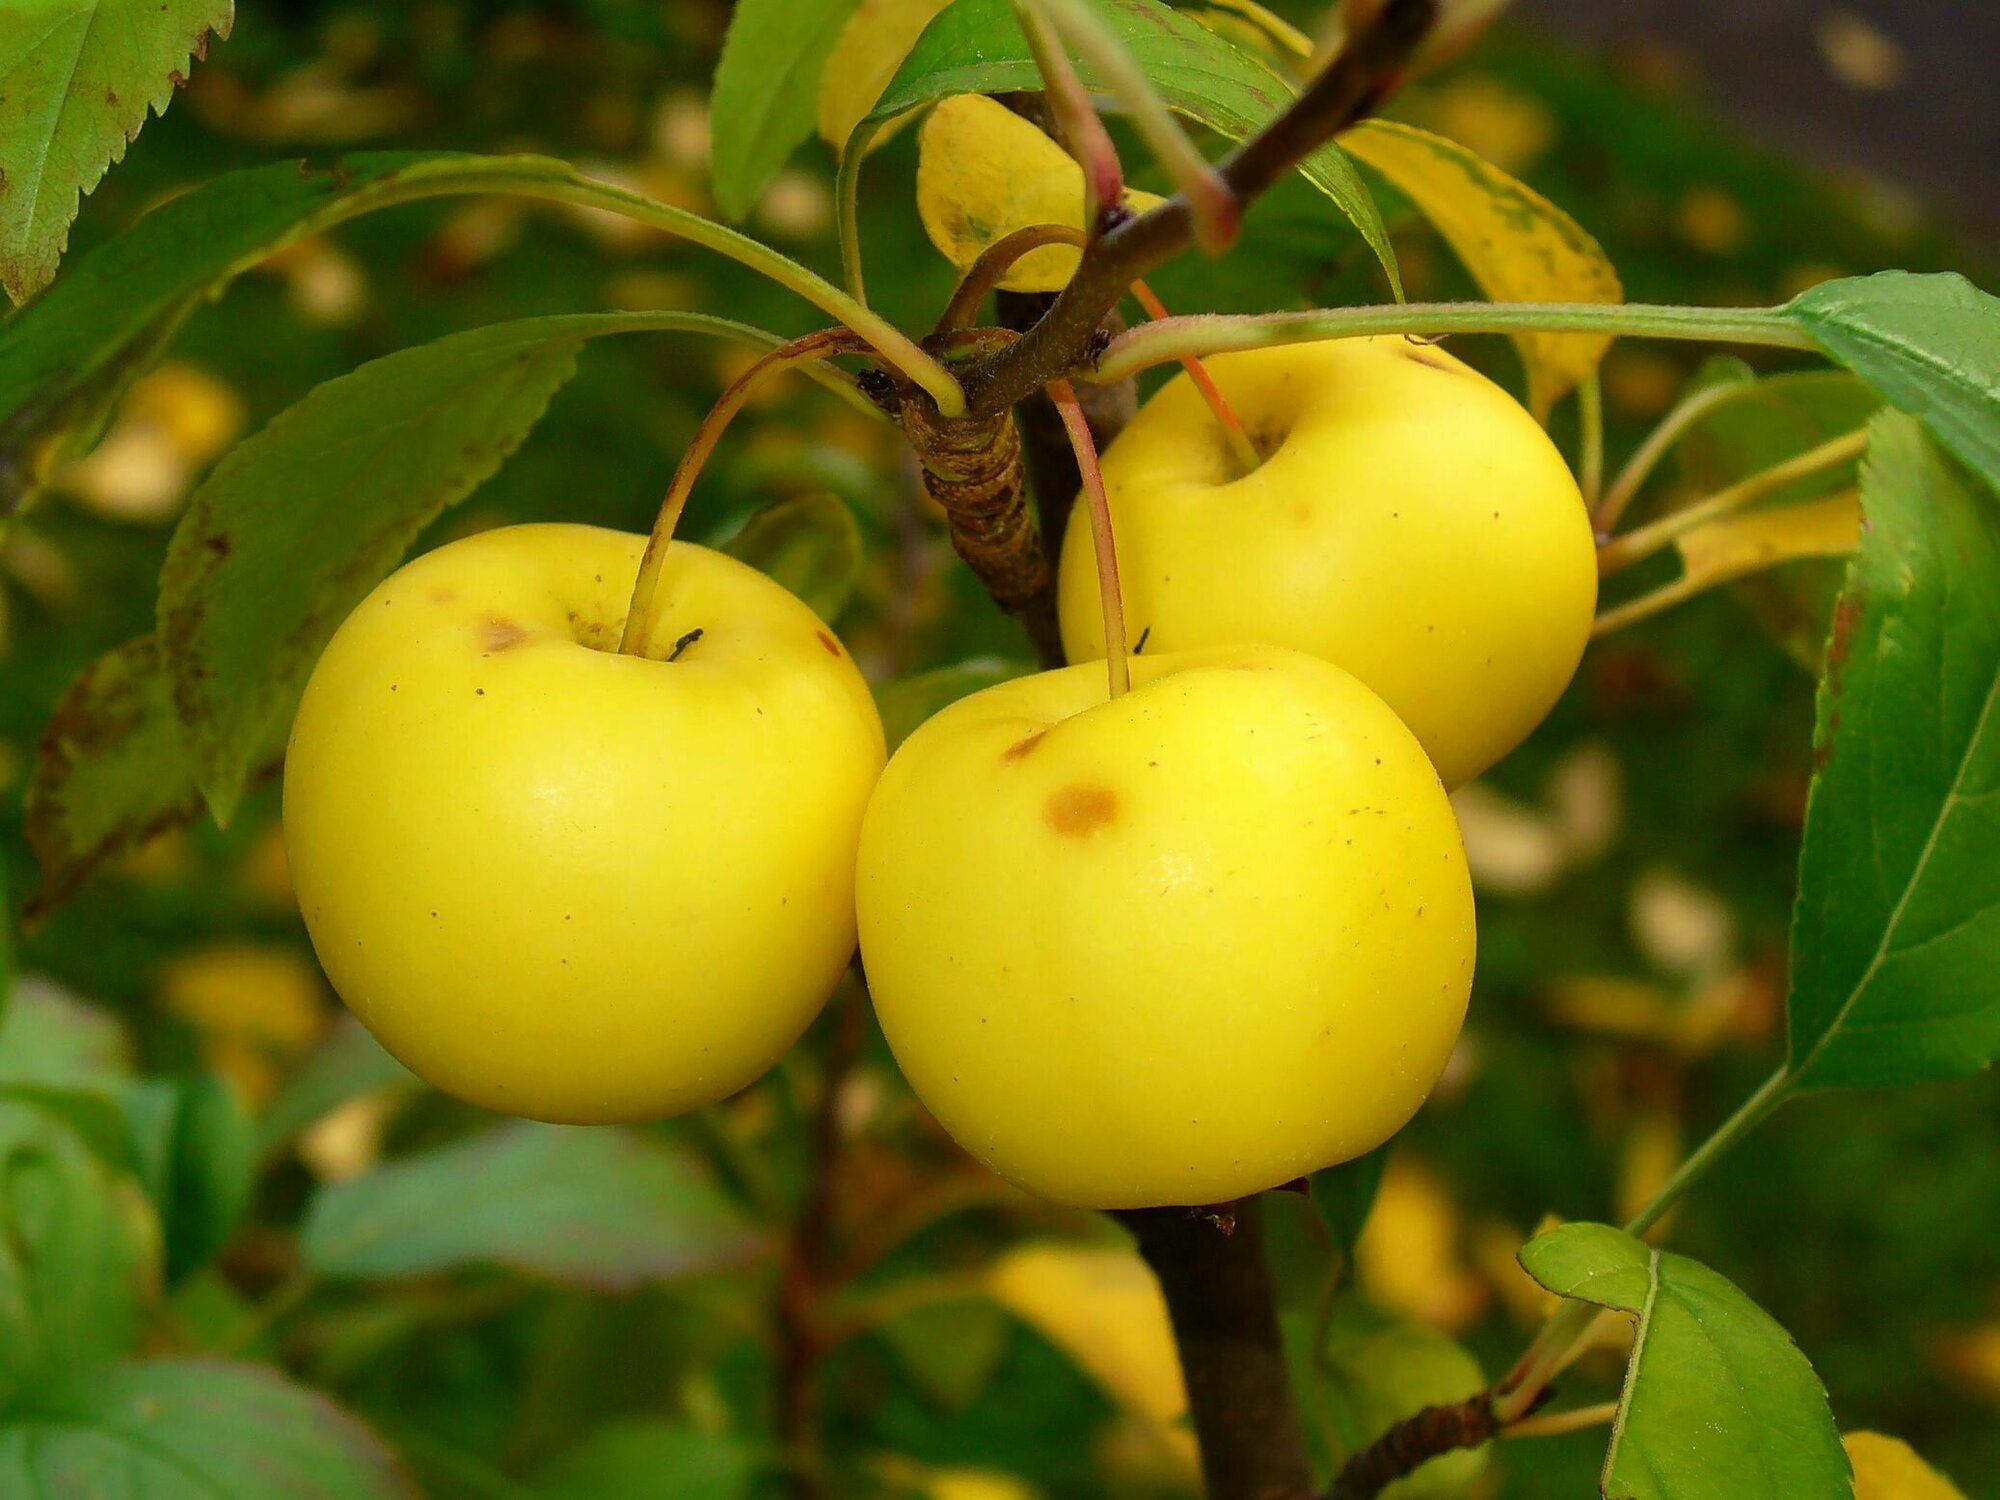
x,y
1172,947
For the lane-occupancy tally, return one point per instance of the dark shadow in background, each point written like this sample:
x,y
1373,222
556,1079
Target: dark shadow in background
x,y
1935,132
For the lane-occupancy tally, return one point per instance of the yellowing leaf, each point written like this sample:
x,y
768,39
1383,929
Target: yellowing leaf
x,y
1886,1468
1104,1310
984,172
872,46
1518,246
1746,543
1269,35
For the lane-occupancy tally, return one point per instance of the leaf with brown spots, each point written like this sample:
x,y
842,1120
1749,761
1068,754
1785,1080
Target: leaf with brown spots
x,y
1896,937
76,82
110,772
313,511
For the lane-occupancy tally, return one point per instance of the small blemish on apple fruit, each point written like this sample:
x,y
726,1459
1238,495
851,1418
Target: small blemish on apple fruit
x,y
1080,810
498,633
443,596
832,646
1021,748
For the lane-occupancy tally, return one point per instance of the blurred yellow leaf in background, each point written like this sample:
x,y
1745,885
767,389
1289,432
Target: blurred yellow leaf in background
x,y
173,422
257,1006
872,46
1886,1468
1410,1257
1102,1307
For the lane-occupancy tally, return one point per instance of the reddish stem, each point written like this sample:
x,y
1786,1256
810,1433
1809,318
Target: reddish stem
x,y
1232,425
1117,659
637,638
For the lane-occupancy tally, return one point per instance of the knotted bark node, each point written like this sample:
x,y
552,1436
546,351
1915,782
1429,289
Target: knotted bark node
x,y
972,467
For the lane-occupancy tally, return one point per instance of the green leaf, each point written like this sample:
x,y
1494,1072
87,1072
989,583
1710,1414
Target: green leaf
x,y
76,80
50,1039
67,356
1896,937
766,95
299,522
1930,343
78,1255
195,1429
1344,1195
346,1065
110,771
1719,1404
601,1208
811,544
1370,1381
194,1146
905,703
975,47
649,1460
949,1350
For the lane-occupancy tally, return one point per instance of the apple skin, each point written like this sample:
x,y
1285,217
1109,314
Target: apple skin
x,y
1411,523
569,884
1173,948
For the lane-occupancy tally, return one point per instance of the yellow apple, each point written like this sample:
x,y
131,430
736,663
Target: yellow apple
x,y
1409,522
570,884
1174,947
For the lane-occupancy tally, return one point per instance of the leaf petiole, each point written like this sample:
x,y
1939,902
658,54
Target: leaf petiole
x,y
1176,338
1643,541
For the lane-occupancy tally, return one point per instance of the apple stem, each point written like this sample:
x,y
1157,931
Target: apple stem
x,y
1117,660
1241,448
637,637
992,263
1643,541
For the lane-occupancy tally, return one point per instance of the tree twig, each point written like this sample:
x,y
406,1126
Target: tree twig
x,y
1345,92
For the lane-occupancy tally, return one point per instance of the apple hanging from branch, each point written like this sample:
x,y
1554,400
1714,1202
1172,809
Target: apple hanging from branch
x,y
567,883
1409,522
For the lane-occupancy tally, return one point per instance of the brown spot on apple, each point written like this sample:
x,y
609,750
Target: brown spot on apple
x,y
1023,747
443,596
832,646
1080,810
1424,355
498,633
